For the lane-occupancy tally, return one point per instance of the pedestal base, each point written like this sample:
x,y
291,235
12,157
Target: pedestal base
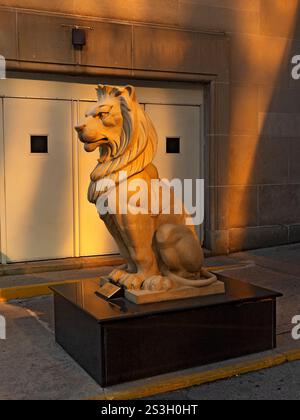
x,y
119,341
142,297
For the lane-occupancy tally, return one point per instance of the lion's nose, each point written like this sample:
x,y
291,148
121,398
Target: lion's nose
x,y
80,128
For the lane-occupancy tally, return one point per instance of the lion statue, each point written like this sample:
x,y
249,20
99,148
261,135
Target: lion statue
x,y
162,252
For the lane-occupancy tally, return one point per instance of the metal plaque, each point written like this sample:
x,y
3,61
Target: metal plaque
x,y
109,291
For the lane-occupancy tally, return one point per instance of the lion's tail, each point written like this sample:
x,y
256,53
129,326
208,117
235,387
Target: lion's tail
x,y
210,279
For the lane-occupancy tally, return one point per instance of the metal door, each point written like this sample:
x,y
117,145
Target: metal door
x,y
38,179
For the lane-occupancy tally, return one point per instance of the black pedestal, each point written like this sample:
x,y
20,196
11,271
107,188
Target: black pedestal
x,y
120,342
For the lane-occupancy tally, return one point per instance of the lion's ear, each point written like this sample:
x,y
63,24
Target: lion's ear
x,y
131,91
100,91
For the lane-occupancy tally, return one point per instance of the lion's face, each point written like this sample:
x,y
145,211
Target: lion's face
x,y
125,136
106,123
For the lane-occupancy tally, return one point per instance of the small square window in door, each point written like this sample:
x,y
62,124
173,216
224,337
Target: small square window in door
x,y
173,145
39,144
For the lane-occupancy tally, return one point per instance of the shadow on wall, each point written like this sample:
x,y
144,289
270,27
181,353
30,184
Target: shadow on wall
x,y
263,151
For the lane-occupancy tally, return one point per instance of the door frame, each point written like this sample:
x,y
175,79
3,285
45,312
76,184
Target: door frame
x,y
3,238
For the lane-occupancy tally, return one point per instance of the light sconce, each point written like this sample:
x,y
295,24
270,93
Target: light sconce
x,y
78,38
79,35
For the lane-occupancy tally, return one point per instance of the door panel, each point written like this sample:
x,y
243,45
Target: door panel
x,y
177,122
39,186
94,237
179,146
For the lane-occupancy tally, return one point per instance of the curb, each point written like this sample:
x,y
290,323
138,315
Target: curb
x,y
188,381
26,292
60,265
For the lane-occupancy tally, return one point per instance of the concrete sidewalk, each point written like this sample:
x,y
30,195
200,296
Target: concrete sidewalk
x,y
279,383
33,366
277,269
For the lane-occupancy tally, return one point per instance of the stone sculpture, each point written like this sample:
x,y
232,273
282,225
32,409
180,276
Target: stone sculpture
x,y
163,253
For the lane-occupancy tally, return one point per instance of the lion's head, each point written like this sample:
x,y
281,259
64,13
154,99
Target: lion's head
x,y
122,131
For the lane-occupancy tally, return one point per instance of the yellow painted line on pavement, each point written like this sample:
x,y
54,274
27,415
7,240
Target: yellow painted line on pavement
x,y
293,355
186,381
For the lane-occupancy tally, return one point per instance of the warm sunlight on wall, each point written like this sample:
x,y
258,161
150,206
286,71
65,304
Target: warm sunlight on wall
x,y
264,59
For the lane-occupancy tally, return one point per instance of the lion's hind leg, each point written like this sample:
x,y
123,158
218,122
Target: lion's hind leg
x,y
179,250
182,256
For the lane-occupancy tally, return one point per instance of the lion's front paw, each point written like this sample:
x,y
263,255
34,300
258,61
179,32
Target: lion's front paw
x,y
128,280
132,281
117,275
158,284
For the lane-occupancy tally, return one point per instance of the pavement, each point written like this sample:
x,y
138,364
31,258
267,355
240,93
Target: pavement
x,y
34,367
274,384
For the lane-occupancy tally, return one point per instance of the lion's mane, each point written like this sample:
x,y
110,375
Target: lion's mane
x,y
136,151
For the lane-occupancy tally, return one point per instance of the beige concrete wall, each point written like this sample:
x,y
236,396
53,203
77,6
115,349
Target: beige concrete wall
x,y
257,181
210,14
